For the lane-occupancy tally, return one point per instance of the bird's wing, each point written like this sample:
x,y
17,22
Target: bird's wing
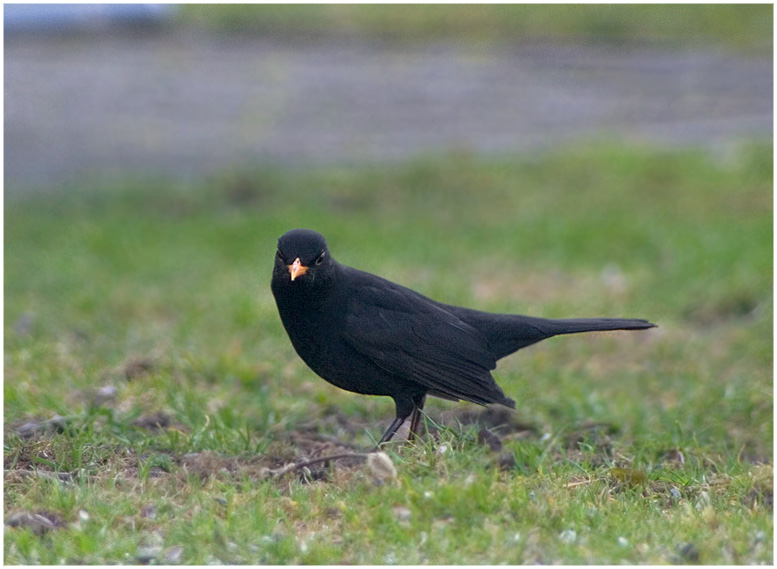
x,y
409,336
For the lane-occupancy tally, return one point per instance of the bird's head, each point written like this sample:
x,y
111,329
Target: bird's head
x,y
302,259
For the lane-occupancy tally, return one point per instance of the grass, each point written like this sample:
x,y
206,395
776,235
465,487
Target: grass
x,y
149,385
745,28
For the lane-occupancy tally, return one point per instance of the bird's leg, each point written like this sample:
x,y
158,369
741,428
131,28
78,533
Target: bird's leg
x,y
415,416
392,430
405,406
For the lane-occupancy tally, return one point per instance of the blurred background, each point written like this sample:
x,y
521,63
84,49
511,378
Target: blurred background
x,y
550,160
183,91
610,160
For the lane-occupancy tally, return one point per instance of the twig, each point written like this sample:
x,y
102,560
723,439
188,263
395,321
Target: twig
x,y
278,472
58,476
579,483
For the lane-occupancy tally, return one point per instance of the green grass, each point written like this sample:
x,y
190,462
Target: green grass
x,y
741,27
648,447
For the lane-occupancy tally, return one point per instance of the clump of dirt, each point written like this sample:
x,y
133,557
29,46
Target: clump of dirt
x,y
593,433
672,458
341,425
506,461
295,447
155,421
762,496
36,427
722,310
591,442
208,464
498,418
104,395
39,522
762,492
300,446
310,445
134,367
486,437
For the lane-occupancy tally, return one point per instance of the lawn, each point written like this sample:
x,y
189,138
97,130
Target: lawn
x,y
740,27
151,392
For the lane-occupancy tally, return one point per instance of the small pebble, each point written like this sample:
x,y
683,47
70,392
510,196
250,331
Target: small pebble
x,y
506,461
105,393
28,429
703,501
39,523
381,466
148,511
623,542
689,552
174,554
486,437
402,513
568,536
148,554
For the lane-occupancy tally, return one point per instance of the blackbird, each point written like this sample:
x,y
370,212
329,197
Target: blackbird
x,y
368,335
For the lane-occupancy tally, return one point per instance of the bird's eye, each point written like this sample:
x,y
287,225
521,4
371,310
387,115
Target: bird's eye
x,y
321,258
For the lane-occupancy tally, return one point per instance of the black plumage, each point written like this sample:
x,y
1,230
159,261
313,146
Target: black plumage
x,y
368,335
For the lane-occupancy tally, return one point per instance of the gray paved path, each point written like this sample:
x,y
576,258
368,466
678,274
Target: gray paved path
x,y
182,105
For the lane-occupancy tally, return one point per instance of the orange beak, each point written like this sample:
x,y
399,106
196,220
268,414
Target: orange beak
x,y
297,269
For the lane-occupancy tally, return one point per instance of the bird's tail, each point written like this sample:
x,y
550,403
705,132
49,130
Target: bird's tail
x,y
575,325
507,333
522,331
